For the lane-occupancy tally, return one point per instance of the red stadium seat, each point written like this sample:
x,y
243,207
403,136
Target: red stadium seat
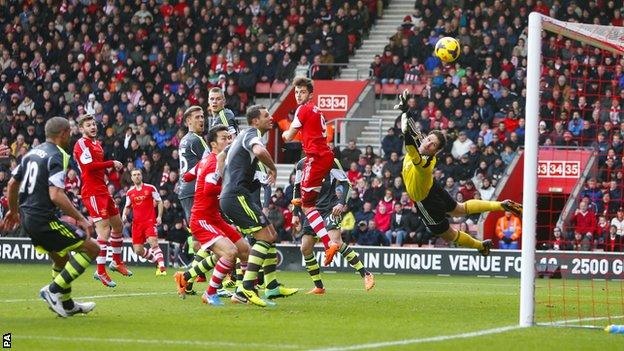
x,y
389,89
377,88
418,88
278,87
263,88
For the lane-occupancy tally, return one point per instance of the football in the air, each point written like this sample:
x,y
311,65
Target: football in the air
x,y
447,49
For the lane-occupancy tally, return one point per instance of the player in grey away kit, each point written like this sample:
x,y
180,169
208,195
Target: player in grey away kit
x,y
331,207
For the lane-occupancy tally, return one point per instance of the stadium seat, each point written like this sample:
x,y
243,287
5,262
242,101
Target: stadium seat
x,y
389,89
377,88
418,88
278,87
263,88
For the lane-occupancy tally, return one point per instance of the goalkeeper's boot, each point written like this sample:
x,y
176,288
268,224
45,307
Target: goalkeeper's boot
x,y
211,299
316,291
104,279
512,207
182,284
330,253
369,281
251,296
121,268
280,291
81,307
487,246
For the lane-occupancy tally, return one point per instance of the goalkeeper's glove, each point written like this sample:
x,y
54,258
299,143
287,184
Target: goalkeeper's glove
x,y
507,240
402,105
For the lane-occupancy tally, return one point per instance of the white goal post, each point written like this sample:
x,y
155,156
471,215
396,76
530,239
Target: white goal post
x,y
609,38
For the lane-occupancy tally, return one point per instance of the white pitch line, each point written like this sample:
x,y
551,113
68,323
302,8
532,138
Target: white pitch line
x,y
191,343
563,322
94,296
378,345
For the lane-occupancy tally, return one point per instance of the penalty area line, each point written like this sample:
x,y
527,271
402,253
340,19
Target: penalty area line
x,y
190,343
378,345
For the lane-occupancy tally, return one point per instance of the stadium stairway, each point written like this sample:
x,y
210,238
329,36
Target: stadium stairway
x,y
379,36
370,134
283,173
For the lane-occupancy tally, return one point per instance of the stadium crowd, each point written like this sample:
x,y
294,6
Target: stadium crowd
x,y
136,65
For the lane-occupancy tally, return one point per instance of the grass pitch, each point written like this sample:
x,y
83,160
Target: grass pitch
x,y
400,313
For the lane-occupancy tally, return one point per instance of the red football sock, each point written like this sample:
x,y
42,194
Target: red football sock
x,y
318,225
101,258
222,268
116,242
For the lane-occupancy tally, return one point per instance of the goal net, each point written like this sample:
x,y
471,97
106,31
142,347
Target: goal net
x,y
572,186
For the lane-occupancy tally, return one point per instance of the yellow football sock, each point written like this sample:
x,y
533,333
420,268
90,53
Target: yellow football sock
x,y
479,206
465,240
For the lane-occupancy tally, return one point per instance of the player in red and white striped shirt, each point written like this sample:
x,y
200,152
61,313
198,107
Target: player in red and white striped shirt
x,y
141,198
207,224
319,159
89,154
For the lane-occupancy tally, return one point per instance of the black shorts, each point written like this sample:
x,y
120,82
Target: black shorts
x,y
434,208
246,215
331,223
187,205
51,234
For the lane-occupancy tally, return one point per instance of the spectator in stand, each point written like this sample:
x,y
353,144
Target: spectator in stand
x,y
354,173
584,220
461,146
383,216
618,221
581,242
592,191
486,190
365,214
276,217
606,207
397,231
394,165
509,231
391,143
417,231
613,242
350,154
393,72
468,190
558,242
369,235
